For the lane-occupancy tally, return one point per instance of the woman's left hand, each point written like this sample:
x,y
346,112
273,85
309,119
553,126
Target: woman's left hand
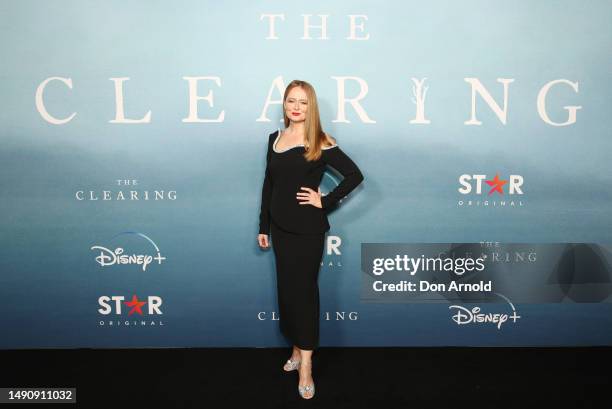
x,y
310,197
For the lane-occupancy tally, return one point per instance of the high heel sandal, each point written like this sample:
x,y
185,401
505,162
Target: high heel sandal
x,y
307,388
291,365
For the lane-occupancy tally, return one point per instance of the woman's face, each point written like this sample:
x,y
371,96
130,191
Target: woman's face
x,y
296,104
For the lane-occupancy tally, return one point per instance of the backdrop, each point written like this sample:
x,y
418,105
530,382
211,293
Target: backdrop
x,y
133,152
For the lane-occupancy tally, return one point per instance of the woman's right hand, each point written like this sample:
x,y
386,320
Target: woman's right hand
x,y
263,241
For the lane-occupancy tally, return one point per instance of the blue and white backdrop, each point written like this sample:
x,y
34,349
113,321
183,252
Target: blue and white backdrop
x,y
133,152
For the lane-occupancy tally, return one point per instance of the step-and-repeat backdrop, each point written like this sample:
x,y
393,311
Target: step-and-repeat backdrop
x,y
133,151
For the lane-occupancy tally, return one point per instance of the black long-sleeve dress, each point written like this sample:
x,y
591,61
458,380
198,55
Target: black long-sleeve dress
x,y
298,231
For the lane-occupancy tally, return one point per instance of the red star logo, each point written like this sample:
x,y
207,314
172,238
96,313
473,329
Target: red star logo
x,y
498,183
136,305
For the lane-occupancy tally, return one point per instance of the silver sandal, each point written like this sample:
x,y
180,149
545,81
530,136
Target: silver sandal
x,y
292,365
306,388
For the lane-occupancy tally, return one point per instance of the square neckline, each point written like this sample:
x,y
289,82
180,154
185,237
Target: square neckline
x,y
295,146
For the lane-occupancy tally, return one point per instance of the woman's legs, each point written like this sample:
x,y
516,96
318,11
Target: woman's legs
x,y
305,371
305,354
298,259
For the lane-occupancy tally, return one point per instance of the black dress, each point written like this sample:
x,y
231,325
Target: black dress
x,y
298,231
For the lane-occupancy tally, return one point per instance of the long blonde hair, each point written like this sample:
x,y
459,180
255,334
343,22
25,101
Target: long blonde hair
x,y
315,137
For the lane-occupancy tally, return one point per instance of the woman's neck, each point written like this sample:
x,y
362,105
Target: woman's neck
x,y
296,128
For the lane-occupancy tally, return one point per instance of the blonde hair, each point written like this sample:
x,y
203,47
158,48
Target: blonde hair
x,y
313,132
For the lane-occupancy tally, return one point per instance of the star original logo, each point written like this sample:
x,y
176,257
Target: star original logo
x,y
509,191
143,311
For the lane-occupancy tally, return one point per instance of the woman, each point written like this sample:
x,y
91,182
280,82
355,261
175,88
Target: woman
x,y
294,212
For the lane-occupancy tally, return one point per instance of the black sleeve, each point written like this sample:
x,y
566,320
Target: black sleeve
x,y
352,175
266,192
